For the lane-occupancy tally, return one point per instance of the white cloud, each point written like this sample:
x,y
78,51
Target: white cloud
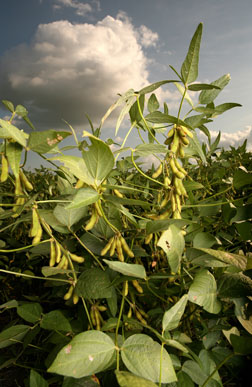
x,y
232,139
81,8
148,38
72,69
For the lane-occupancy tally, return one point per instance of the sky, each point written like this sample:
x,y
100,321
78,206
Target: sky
x,y
62,59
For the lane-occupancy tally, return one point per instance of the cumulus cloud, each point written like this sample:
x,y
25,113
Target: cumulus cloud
x,y
148,38
71,69
80,8
232,139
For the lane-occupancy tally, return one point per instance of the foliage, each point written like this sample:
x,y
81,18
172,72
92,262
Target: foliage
x,y
112,275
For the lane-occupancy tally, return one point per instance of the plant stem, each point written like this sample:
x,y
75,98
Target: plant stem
x,y
87,312
161,360
140,171
145,123
22,248
34,277
125,139
118,326
217,368
86,248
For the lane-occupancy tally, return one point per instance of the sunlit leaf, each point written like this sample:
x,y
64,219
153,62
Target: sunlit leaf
x,y
8,130
172,242
203,292
141,355
83,197
173,315
237,260
126,379
43,142
189,68
94,283
14,153
88,353
208,96
128,269
36,380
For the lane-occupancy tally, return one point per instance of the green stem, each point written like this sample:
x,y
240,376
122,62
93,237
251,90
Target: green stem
x,y
113,228
89,251
142,173
161,360
118,326
217,368
181,102
23,248
34,277
139,133
145,123
155,294
125,139
87,312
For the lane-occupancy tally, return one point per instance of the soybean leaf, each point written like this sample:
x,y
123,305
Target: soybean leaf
x,y
237,260
241,179
87,381
135,116
141,355
126,379
9,305
195,148
153,103
9,105
94,283
154,86
51,219
184,380
224,107
150,149
208,96
203,239
43,142
209,366
189,69
241,314
77,167
99,159
173,315
13,335
36,380
55,321
8,130
161,118
14,152
30,312
162,224
83,197
88,353
196,121
128,104
241,344
128,269
173,243
68,217
202,86
203,292
235,285
123,98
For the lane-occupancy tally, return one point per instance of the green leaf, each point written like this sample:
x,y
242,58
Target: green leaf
x,y
8,130
55,321
87,381
36,380
243,316
241,344
68,217
14,152
209,366
30,312
195,149
150,149
126,379
154,86
173,243
173,315
162,224
94,283
237,260
224,107
83,197
192,369
202,86
99,159
44,142
235,285
9,105
197,121
153,103
128,269
77,167
192,185
203,292
51,219
203,239
131,202
241,178
9,305
134,113
141,355
13,335
161,118
184,380
125,110
189,69
88,353
208,96
21,111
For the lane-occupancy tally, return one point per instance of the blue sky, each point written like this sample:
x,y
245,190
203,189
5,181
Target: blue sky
x,y
64,58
